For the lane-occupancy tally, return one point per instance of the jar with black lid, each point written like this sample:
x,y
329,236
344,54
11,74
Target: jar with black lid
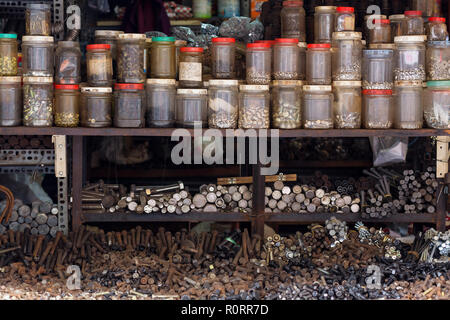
x,y
96,107
129,105
68,62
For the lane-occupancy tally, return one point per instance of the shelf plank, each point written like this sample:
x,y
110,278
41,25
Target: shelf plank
x,y
350,217
189,217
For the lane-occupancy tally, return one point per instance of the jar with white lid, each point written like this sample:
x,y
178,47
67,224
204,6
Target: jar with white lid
x,y
408,105
10,101
96,107
161,95
413,23
37,56
347,104
130,58
38,101
346,54
317,107
345,19
396,25
378,73
436,29
436,104
258,63
286,59
318,64
410,58
223,104
378,109
286,104
254,107
438,60
324,23
192,108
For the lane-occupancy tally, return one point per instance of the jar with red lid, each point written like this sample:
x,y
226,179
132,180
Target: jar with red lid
x,y
378,109
286,59
190,73
258,63
436,29
67,105
380,31
293,20
99,65
223,51
129,105
413,23
345,19
318,64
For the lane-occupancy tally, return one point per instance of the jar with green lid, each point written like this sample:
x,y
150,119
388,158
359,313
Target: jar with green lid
x,y
292,18
409,59
129,105
436,29
130,58
347,106
346,55
254,107
96,107
8,54
190,73
67,105
436,104
378,109
408,105
324,23
438,60
317,107
163,58
37,56
258,63
161,102
68,62
223,100
99,65
286,104
10,101
38,101
396,25
38,19
192,108
223,51
286,59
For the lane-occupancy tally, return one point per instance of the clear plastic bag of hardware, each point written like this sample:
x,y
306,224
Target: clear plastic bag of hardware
x,y
242,29
388,150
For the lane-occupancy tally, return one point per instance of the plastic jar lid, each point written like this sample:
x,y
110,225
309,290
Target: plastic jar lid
x,y
435,84
191,49
271,42
12,79
37,38
217,82
381,21
68,44
345,9
170,82
286,40
436,19
249,87
132,36
38,79
8,36
96,90
347,35
376,53
377,92
397,17
98,47
409,83
108,33
346,83
299,83
38,6
317,88
382,46
67,86
325,8
258,45
413,13
163,39
410,39
319,46
129,86
192,91
292,3
444,44
230,40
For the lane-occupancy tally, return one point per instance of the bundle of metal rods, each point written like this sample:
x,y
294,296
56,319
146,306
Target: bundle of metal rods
x,y
7,211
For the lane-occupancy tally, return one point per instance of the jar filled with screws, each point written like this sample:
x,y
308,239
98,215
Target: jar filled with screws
x,y
286,104
346,56
378,109
285,59
413,23
67,105
258,63
436,29
378,73
109,37
192,108
38,101
96,107
37,56
38,19
408,105
347,104
190,75
161,102
317,107
163,58
396,25
223,51
293,20
438,60
147,52
130,58
10,101
369,24
99,65
8,54
302,60
223,103
380,31
324,23
129,105
68,62
318,64
344,19
254,107
410,58
436,104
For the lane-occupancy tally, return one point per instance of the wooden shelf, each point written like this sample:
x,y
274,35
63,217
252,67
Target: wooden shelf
x,y
188,217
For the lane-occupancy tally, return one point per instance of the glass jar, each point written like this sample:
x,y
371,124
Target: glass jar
x,y
258,63
67,105
345,19
163,58
285,59
223,103
293,20
68,62
38,19
108,37
223,52
96,107
10,101
369,24
37,101
190,75
317,107
192,108
286,104
429,8
436,104
302,60
129,105
380,32
347,104
161,102
437,29
318,64
324,23
438,60
378,71
147,52
346,54
37,56
410,58
99,65
130,58
413,23
178,45
254,107
378,109
8,54
396,25
408,105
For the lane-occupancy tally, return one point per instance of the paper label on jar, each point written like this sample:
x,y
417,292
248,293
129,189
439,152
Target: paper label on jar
x,y
411,57
191,71
99,66
349,23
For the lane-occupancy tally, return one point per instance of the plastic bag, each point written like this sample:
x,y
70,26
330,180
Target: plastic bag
x,y
388,150
100,5
186,34
255,31
242,28
151,34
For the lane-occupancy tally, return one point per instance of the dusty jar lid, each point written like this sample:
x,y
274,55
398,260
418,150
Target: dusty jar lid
x,y
436,19
435,84
13,79
382,46
192,91
325,8
108,33
8,36
346,35
440,44
38,79
378,53
397,17
38,6
377,92
96,89
163,39
409,83
131,36
98,47
292,3
346,83
67,87
170,82
69,44
410,39
37,38
317,88
129,86
302,44
250,87
288,83
217,82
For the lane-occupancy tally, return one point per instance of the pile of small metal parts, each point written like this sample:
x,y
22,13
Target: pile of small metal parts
x,y
25,142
